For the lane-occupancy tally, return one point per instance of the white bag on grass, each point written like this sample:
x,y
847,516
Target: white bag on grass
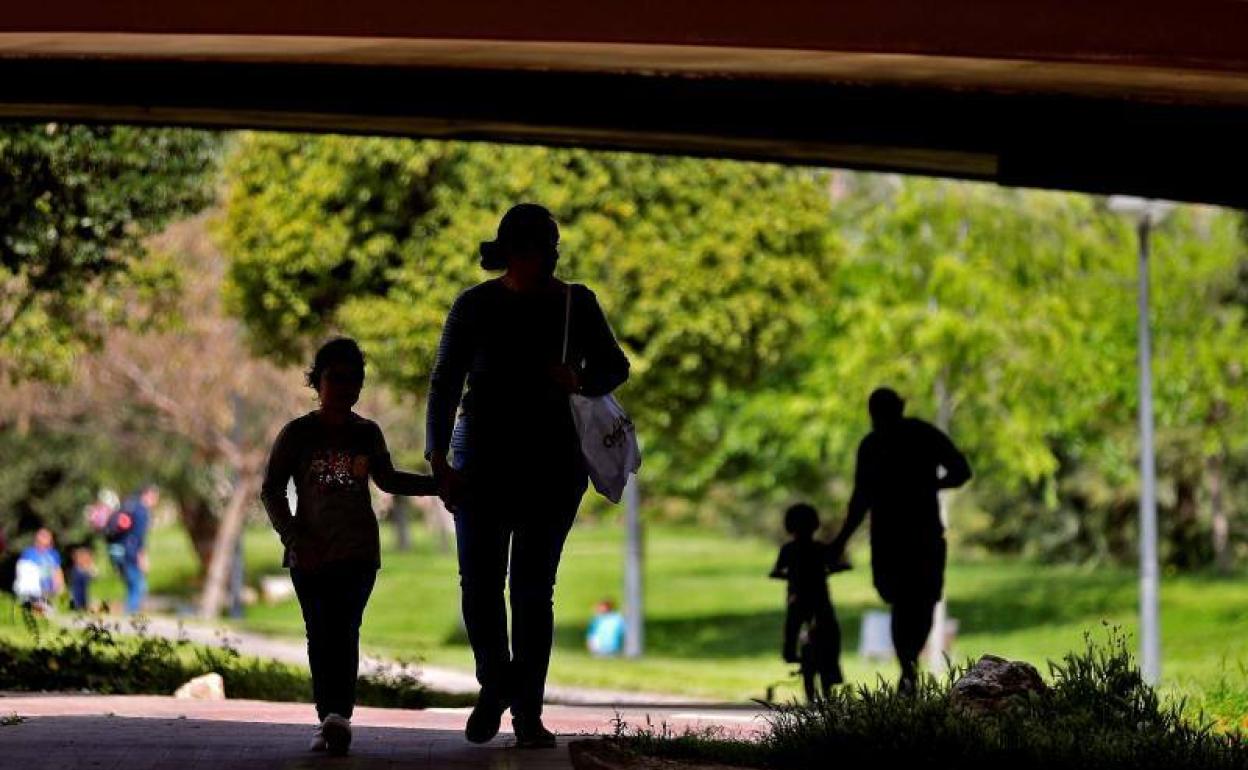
x,y
608,438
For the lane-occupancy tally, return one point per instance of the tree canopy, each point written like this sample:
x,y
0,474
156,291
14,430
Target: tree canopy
x,y
760,305
76,203
1010,317
709,271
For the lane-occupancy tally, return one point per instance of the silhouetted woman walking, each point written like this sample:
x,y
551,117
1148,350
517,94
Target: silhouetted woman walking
x,y
510,467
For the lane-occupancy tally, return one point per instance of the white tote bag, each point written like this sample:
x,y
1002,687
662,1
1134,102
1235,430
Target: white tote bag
x,y
608,439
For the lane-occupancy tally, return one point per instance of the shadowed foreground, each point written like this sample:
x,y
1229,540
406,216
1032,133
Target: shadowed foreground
x,y
141,732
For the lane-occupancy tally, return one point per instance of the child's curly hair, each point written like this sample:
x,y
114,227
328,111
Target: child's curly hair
x,y
342,350
801,519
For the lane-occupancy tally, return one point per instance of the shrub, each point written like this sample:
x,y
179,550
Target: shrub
x,y
1099,714
99,656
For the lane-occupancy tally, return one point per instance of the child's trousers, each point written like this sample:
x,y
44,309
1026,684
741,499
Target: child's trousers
x,y
826,633
333,599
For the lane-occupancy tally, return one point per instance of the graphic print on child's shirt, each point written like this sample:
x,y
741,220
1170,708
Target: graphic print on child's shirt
x,y
336,470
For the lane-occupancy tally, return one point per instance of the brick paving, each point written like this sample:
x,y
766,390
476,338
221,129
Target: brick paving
x,y
89,732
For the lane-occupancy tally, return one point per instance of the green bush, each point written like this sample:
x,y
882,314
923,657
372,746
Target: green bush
x,y
1099,713
1227,699
99,656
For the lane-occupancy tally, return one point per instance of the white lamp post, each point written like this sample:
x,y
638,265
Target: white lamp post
x,y
1146,213
634,612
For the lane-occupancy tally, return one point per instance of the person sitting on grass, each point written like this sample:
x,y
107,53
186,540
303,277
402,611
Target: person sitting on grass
x,y
805,563
39,578
332,541
605,637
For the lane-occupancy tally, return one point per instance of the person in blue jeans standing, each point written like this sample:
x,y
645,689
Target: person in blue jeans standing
x,y
127,543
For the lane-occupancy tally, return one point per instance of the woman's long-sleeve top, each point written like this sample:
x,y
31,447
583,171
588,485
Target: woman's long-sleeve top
x,y
503,345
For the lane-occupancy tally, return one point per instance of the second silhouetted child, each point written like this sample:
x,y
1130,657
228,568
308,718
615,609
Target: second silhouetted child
x,y
805,564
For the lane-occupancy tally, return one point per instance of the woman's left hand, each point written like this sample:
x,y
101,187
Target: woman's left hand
x,y
566,377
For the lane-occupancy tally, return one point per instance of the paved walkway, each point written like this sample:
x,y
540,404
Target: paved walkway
x,y
86,732
437,678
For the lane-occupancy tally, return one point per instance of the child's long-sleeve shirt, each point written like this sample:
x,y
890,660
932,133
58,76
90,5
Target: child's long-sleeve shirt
x,y
804,564
331,465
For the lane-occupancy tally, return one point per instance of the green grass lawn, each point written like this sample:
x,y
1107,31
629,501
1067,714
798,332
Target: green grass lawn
x,y
713,618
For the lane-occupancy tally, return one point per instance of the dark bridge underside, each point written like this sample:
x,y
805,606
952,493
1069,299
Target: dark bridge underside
x,y
1109,96
1181,152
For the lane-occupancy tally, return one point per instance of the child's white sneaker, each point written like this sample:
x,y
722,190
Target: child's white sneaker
x,y
336,730
318,740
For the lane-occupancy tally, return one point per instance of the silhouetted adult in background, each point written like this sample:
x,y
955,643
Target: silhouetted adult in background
x,y
510,467
903,463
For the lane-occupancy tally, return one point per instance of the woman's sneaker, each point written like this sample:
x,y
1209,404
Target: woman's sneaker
x,y
336,731
318,740
532,734
485,718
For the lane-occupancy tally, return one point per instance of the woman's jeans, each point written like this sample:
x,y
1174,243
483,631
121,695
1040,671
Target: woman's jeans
x,y
333,599
520,521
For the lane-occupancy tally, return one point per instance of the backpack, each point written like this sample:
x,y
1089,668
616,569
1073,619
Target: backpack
x,y
28,581
120,523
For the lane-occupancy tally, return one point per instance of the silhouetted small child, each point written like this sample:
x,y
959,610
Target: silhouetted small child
x,y
805,564
81,573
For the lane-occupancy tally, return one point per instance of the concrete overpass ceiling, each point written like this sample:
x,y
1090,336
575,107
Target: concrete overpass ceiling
x,y
1105,96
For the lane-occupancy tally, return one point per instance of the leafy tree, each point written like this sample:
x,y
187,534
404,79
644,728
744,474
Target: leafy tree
x,y
194,381
47,480
181,403
708,270
957,296
1009,316
760,306
1199,405
76,203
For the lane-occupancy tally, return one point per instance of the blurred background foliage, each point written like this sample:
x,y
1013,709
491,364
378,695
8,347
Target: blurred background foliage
x,y
759,304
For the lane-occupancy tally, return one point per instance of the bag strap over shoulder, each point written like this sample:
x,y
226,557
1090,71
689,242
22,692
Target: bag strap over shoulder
x,y
567,321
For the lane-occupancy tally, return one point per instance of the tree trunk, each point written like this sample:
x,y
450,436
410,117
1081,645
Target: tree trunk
x,y
1220,522
231,528
200,523
438,520
1185,539
402,525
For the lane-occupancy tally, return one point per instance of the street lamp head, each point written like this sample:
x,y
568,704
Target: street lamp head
x,y
1147,210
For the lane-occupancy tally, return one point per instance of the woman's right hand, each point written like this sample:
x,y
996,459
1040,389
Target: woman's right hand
x,y
450,482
